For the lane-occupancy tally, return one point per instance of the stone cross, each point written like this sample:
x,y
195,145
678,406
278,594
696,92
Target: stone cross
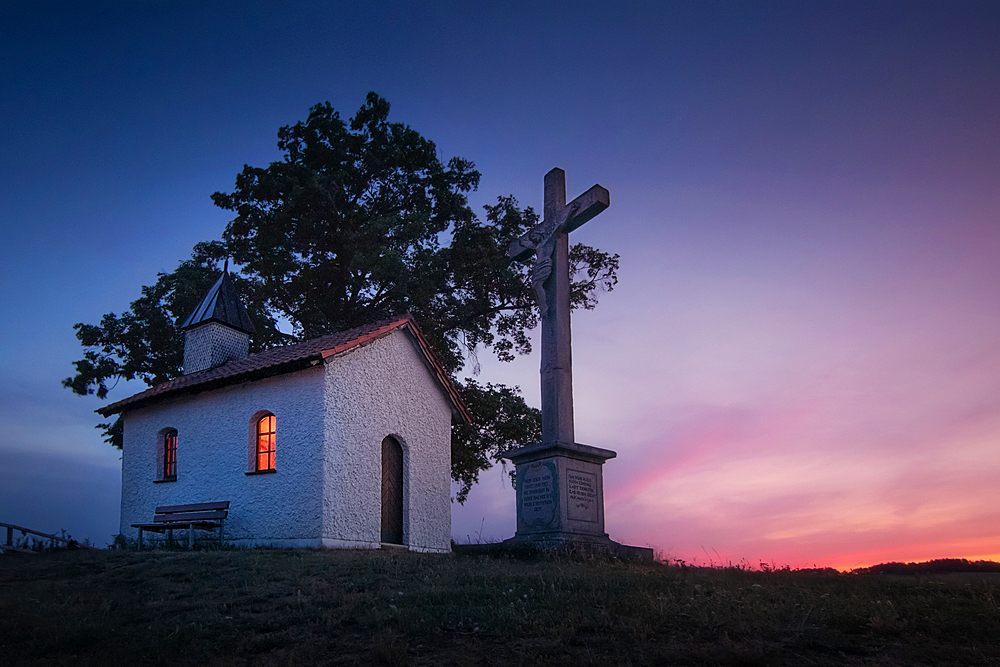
x,y
549,241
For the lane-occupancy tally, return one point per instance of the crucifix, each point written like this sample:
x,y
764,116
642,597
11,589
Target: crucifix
x,y
549,241
560,482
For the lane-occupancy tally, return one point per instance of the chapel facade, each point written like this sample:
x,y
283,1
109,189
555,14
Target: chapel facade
x,y
341,441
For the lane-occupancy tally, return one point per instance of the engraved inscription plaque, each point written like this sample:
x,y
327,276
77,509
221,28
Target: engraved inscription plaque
x,y
582,495
539,501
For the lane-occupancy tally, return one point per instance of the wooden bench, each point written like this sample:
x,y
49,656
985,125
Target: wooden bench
x,y
200,516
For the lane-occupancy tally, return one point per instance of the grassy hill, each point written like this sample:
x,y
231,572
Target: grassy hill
x,y
276,607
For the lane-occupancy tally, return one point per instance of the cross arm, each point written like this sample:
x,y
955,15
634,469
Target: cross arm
x,y
586,206
580,210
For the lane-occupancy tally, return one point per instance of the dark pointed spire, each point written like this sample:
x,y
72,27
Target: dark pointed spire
x,y
222,305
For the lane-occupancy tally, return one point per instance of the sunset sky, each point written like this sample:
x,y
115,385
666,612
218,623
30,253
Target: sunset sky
x,y
801,363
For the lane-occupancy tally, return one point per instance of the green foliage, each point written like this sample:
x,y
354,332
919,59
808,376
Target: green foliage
x,y
502,421
345,230
359,222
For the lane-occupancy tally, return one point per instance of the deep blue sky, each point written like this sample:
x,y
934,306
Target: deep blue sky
x,y
804,195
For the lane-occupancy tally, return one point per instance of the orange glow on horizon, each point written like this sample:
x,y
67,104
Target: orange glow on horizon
x,y
982,549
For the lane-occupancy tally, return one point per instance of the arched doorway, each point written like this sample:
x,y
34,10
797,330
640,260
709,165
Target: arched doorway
x,y
392,491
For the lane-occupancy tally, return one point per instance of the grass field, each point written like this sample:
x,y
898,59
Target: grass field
x,y
276,607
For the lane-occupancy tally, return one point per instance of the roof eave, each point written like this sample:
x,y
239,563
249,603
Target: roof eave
x,y
134,403
460,411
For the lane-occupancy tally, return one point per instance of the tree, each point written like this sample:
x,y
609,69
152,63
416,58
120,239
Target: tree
x,y
360,221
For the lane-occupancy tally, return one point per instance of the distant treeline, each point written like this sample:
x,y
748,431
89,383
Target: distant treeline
x,y
939,566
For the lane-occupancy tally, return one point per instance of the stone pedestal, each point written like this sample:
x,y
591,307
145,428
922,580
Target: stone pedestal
x,y
560,499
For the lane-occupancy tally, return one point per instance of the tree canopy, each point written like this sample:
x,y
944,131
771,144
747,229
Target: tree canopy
x,y
360,221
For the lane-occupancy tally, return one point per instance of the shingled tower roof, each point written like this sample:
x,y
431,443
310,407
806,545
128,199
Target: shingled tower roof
x,y
222,305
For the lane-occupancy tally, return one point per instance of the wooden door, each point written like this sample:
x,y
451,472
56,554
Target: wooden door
x,y
392,491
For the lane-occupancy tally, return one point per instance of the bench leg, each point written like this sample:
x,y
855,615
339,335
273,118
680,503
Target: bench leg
x,y
140,539
220,532
191,536
170,538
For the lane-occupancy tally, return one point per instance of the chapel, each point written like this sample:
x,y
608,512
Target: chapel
x,y
341,441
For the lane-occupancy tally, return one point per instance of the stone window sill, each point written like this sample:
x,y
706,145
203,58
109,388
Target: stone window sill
x,y
164,481
261,472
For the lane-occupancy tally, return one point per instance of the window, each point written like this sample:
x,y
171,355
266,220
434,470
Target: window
x,y
265,443
262,426
166,455
170,455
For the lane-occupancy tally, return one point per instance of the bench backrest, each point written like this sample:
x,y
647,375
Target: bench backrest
x,y
193,512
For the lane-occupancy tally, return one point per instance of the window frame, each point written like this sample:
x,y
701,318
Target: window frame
x,y
254,451
266,442
166,455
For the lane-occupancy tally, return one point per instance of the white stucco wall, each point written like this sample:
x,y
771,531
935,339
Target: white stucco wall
x,y
331,420
212,445
374,391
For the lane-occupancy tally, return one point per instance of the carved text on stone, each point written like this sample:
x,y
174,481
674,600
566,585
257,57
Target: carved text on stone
x,y
537,491
582,493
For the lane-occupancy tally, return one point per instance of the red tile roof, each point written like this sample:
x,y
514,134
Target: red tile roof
x,y
281,360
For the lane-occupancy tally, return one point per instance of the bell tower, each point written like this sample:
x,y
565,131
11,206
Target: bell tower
x,y
218,330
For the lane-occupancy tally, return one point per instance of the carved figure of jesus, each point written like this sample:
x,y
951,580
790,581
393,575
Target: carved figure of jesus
x,y
542,240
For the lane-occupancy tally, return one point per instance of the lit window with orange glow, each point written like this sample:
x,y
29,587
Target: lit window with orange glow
x,y
170,455
265,443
